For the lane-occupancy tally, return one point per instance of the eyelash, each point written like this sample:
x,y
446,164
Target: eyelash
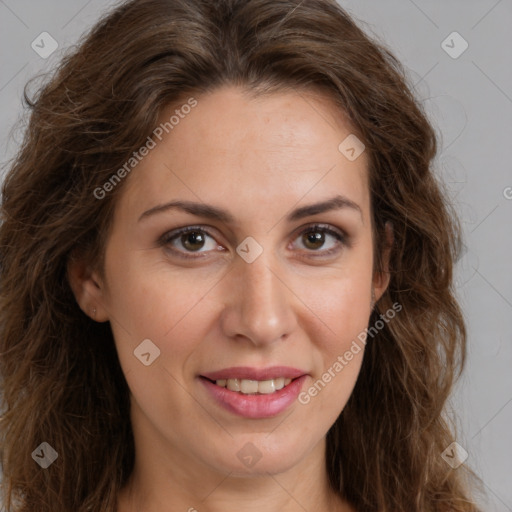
x,y
167,238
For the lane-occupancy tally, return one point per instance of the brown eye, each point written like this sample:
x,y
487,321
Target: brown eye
x,y
189,240
193,240
321,239
313,240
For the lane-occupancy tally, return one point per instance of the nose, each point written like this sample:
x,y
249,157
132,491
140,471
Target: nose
x,y
260,306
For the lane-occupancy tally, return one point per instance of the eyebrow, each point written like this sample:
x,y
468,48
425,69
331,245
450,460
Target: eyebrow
x,y
212,212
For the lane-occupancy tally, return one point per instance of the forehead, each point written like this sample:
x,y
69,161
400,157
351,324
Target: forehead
x,y
274,149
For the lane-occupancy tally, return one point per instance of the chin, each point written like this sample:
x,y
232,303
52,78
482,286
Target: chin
x,y
258,454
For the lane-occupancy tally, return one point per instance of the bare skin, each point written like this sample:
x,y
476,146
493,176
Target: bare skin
x,y
300,303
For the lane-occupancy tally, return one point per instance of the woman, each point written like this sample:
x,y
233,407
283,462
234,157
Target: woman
x,y
226,273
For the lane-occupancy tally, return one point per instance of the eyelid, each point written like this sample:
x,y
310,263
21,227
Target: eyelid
x,y
173,233
322,226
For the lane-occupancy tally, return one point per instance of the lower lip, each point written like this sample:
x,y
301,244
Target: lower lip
x,y
256,406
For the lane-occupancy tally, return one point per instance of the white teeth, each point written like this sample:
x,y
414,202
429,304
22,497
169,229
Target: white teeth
x,y
266,387
233,384
279,383
251,387
248,386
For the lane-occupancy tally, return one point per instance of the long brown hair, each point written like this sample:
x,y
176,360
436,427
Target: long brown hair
x,y
60,376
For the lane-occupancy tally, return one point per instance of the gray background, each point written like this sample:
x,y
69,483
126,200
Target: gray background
x,y
469,99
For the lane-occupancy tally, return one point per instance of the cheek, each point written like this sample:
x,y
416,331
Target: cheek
x,y
150,301
343,312
170,313
342,308
342,305
143,297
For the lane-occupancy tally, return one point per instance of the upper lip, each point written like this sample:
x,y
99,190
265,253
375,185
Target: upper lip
x,y
246,372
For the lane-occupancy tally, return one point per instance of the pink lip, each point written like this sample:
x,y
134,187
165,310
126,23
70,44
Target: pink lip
x,y
246,372
255,406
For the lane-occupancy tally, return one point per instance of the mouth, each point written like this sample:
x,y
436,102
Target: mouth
x,y
254,393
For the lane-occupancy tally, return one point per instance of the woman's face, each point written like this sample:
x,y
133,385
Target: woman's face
x,y
253,287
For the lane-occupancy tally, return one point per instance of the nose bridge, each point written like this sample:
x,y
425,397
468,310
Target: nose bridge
x,y
260,308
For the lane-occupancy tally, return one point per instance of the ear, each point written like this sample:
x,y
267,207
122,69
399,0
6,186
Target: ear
x,y
88,288
381,279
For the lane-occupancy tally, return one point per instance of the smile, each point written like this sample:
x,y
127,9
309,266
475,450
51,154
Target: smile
x,y
252,393
253,387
